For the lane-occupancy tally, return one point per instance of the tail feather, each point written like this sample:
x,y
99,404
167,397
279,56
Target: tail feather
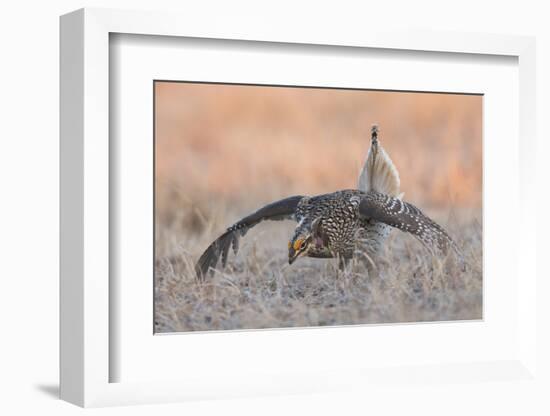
x,y
379,173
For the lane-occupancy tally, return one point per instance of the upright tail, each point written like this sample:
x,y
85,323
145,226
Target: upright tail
x,y
379,173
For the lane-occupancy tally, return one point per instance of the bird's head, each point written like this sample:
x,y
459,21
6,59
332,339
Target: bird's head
x,y
298,246
305,237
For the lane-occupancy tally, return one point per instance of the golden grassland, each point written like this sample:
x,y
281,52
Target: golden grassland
x,y
224,151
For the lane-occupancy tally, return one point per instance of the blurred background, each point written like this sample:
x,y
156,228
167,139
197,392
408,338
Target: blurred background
x,y
239,146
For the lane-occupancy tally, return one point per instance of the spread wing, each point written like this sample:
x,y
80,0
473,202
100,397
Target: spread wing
x,y
408,218
279,210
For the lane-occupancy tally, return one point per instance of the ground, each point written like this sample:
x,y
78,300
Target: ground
x,y
259,289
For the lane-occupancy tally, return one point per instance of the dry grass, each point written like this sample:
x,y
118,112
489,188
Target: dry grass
x,y
258,289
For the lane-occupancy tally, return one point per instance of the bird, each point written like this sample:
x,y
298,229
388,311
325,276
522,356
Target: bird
x,y
333,225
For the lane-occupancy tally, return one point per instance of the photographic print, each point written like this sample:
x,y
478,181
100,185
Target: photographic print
x,y
283,206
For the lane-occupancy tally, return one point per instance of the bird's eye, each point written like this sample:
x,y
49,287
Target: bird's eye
x,y
298,244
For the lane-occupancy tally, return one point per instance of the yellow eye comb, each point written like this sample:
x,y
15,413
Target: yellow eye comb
x,y
298,244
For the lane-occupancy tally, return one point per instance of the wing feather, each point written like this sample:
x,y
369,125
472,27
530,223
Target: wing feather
x,y
279,210
406,217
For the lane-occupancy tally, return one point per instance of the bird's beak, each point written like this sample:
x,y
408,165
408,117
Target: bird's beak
x,y
292,255
295,250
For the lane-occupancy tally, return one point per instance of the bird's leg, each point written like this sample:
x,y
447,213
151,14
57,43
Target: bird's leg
x,y
343,263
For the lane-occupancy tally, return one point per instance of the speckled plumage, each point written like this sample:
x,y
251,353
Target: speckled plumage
x,y
340,221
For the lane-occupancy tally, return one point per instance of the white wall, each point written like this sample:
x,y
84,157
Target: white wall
x,y
29,209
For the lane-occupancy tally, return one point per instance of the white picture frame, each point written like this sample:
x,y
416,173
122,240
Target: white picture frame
x,y
87,356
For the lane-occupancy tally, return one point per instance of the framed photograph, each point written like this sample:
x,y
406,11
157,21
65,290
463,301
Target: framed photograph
x,y
270,212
